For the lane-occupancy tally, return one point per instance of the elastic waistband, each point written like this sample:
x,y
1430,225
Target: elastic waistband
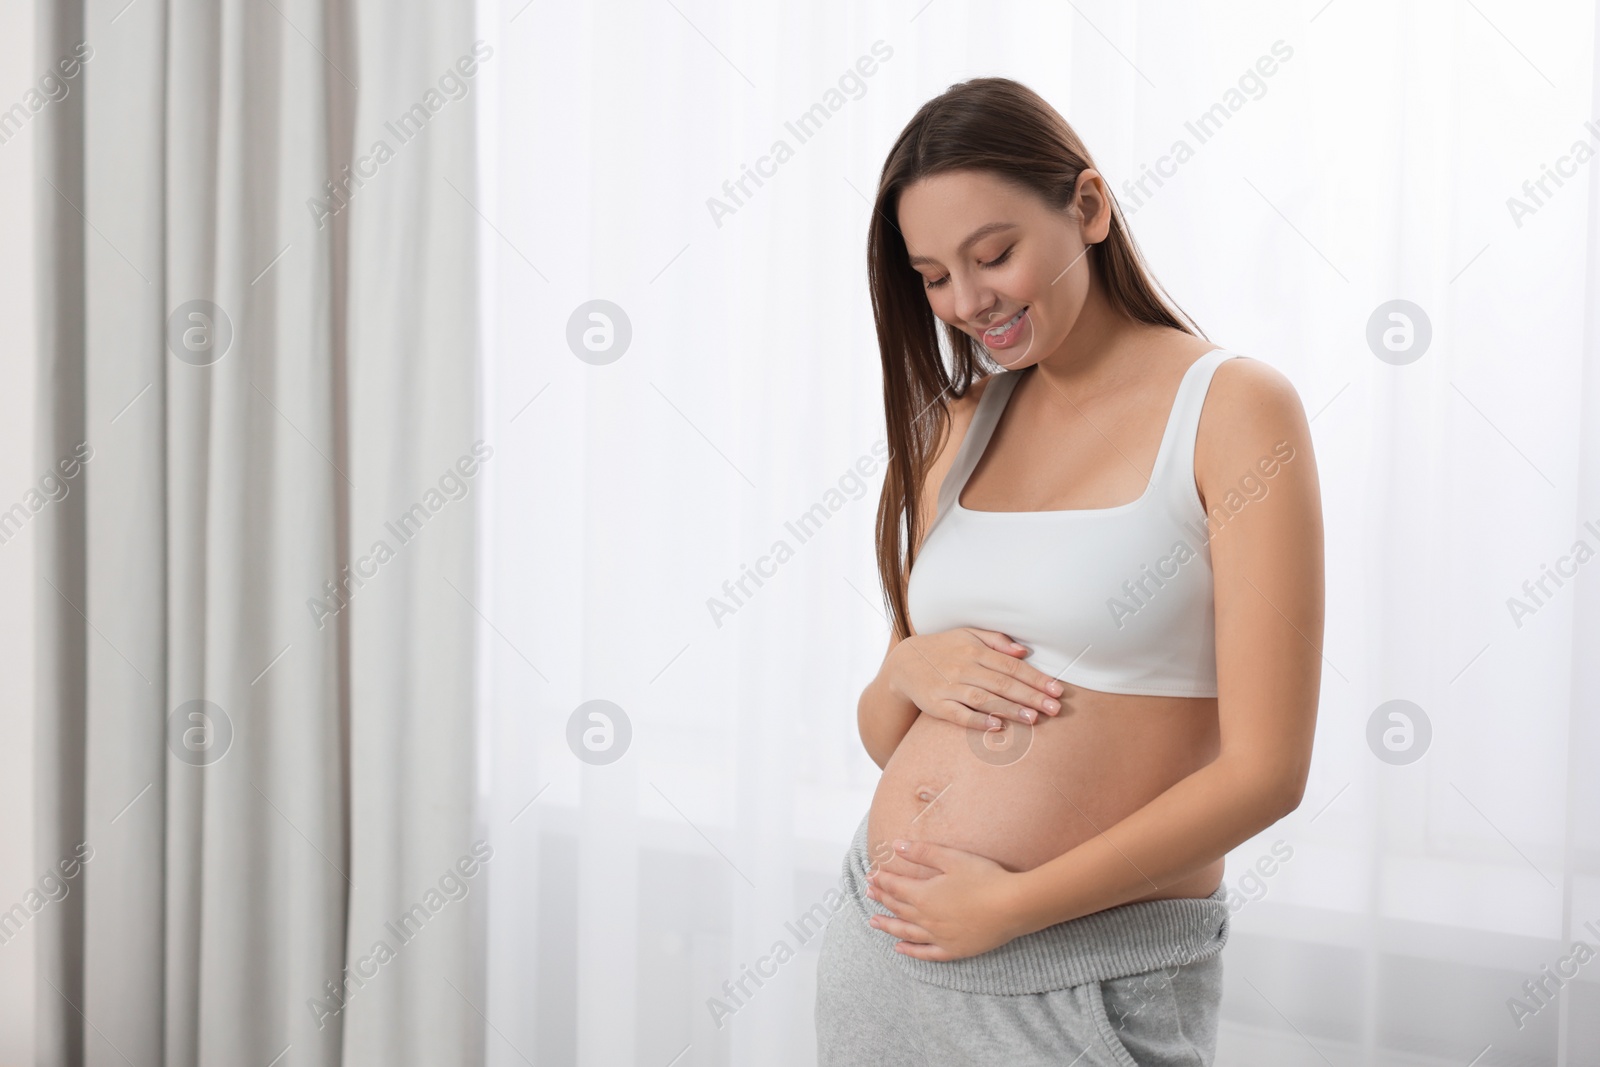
x,y
1114,943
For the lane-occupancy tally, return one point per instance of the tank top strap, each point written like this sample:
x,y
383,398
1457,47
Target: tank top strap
x,y
1175,465
985,417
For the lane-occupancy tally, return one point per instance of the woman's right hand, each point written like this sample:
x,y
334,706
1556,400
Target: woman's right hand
x,y
971,677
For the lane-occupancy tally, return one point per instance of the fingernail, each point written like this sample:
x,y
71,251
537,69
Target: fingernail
x,y
995,724
1051,705
1027,714
1056,688
901,846
1015,645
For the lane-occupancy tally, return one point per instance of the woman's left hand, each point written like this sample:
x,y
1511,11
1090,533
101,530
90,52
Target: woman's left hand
x,y
963,908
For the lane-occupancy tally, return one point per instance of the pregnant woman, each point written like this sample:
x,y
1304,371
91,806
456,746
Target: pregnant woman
x,y
1100,540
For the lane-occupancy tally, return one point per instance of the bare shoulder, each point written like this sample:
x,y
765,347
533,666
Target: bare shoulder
x,y
1252,421
1245,392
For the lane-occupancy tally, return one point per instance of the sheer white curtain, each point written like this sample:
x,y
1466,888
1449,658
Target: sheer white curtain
x,y
1291,170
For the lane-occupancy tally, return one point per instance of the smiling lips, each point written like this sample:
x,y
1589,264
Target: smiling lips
x,y
1003,335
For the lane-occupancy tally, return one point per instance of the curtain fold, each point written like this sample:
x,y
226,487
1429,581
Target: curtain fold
x,y
254,741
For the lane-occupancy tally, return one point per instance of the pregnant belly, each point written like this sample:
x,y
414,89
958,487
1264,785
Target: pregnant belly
x,y
1024,795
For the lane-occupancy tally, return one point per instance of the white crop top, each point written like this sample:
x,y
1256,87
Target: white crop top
x,y
1113,599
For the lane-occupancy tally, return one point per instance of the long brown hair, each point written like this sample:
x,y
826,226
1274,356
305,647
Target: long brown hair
x,y
989,124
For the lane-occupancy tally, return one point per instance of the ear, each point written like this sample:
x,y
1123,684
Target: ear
x,y
1093,199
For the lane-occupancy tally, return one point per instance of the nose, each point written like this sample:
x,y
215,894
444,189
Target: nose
x,y
973,302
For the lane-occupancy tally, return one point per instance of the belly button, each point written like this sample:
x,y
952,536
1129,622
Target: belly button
x,y
926,795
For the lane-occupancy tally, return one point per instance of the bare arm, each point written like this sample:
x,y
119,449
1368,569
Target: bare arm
x,y
883,716
1267,558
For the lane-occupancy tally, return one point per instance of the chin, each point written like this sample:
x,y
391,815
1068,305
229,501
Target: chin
x,y
1013,362
1024,355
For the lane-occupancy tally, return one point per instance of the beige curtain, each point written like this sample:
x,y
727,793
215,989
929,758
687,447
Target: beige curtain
x,y
255,725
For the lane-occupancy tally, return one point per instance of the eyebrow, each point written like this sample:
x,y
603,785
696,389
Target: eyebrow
x,y
973,238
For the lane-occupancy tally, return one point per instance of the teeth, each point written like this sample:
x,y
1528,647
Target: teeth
x,y
1004,326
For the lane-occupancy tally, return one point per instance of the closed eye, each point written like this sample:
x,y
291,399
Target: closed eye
x,y
997,261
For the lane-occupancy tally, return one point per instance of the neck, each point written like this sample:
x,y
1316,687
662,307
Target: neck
x,y
1103,347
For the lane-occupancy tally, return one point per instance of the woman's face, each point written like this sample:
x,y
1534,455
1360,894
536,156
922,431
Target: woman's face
x,y
989,252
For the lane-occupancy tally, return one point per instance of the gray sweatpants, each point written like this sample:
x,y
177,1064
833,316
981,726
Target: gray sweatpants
x,y
1133,986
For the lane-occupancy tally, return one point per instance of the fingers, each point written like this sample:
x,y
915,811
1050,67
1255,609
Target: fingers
x,y
984,698
909,868
981,707
893,903
998,641
1004,689
895,889
953,711
1022,695
905,931
923,952
1024,674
